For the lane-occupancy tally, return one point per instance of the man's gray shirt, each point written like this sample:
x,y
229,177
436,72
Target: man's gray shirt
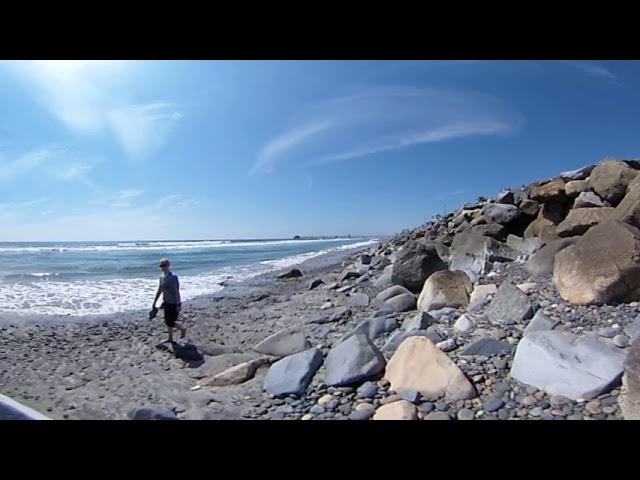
x,y
167,283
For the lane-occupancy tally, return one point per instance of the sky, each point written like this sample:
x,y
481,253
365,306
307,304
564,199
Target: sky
x,y
143,150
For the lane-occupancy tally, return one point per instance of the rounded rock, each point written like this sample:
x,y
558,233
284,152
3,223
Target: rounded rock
x,y
621,341
466,414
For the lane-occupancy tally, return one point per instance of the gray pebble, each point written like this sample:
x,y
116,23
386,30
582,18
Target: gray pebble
x,y
345,409
361,414
536,412
412,396
500,364
333,404
559,401
367,390
547,416
544,404
493,404
466,414
316,410
609,401
442,407
438,416
428,407
502,388
503,414
608,332
621,341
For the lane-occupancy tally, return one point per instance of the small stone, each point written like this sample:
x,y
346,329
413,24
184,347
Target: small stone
x,y
558,413
529,401
442,407
438,416
412,396
609,409
575,416
317,410
466,414
558,400
544,404
325,400
536,412
501,334
493,404
367,390
360,415
500,363
621,341
593,407
428,407
503,414
447,345
390,399
547,416
364,406
608,332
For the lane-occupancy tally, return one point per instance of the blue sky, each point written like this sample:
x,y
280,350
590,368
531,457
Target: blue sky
x,y
120,150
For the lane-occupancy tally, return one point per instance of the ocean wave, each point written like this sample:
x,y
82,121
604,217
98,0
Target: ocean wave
x,y
91,297
162,246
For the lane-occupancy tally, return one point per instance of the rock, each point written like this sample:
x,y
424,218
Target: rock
x,y
463,325
447,345
482,292
374,327
526,246
608,332
575,188
383,281
348,275
466,414
621,341
353,361
541,264
486,347
445,289
394,291
420,321
293,273
214,350
493,230
359,300
400,410
544,226
367,390
402,303
633,329
500,213
235,375
582,219
610,179
285,342
472,265
579,174
509,305
527,287
530,207
628,210
152,413
292,375
562,363
630,394
419,365
589,200
315,284
472,254
397,338
493,404
507,197
412,396
540,323
438,416
553,191
360,415
607,252
415,263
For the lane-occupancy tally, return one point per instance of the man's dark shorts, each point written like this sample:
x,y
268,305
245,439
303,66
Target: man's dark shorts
x,y
170,314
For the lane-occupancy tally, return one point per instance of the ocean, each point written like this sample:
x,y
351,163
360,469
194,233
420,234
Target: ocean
x,y
90,278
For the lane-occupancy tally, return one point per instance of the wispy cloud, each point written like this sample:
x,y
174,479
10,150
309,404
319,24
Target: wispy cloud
x,y
86,96
376,120
16,210
594,70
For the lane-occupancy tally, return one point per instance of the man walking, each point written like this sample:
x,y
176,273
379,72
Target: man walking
x,y
169,287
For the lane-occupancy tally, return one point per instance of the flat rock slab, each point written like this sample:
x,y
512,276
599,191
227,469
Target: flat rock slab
x,y
397,338
292,375
540,323
562,363
510,305
487,347
402,303
285,342
353,361
237,374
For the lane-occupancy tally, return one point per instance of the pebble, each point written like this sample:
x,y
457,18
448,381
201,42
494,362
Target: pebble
x,y
547,416
593,407
529,401
412,396
466,414
503,414
575,416
390,399
428,407
361,415
438,416
500,364
308,416
367,390
558,413
365,407
621,341
442,407
608,332
317,410
559,400
447,345
493,404
536,412
325,400
609,409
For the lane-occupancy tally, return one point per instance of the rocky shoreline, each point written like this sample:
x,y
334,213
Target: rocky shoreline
x,y
522,307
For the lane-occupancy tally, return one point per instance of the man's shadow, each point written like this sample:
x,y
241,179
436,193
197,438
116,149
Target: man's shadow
x,y
187,352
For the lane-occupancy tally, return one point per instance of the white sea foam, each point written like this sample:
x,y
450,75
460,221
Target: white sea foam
x,y
118,295
161,246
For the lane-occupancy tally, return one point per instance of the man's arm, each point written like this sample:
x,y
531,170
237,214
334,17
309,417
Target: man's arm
x,y
155,300
176,285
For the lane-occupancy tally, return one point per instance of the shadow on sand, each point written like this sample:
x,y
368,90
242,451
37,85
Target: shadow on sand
x,y
187,352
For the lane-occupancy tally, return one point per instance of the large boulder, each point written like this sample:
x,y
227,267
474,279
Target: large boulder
x,y
541,263
292,375
554,191
610,179
544,226
285,342
420,366
526,246
575,188
630,395
582,219
353,361
603,266
562,363
472,253
397,298
415,263
629,208
510,305
500,213
589,200
493,230
445,289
